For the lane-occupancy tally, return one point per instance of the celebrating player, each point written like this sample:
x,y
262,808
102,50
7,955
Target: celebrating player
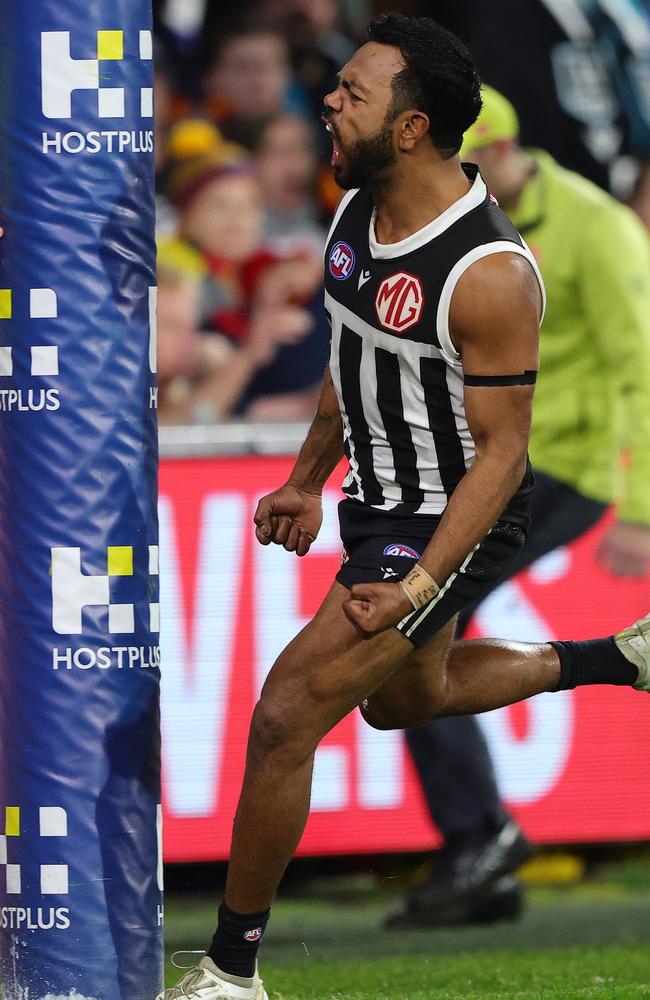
x,y
435,304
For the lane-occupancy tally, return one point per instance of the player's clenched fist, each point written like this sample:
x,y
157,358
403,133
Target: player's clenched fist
x,y
290,517
374,607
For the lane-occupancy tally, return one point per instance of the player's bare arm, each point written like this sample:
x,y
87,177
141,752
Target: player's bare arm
x,y
291,516
494,323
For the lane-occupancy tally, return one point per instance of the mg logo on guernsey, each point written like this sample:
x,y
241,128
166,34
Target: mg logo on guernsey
x,y
399,302
63,76
73,591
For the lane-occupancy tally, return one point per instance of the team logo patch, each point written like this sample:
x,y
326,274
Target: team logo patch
x,y
253,935
341,261
397,549
400,301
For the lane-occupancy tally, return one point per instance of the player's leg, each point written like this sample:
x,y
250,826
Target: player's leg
x,y
420,690
479,675
320,677
460,678
444,678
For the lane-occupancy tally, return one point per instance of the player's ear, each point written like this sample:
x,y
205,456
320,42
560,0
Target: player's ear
x,y
415,125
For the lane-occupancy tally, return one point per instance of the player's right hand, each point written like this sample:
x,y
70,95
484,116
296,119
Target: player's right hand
x,y
290,517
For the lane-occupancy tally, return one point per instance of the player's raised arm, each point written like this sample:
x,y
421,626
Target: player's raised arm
x,y
291,516
494,323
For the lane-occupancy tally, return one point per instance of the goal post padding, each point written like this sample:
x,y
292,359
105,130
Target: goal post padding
x,y
80,866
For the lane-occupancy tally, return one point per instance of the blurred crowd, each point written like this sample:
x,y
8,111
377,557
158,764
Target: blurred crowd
x,y
245,192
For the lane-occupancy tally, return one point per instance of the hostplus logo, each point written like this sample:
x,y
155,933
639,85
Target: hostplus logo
x,y
33,364
64,75
53,879
73,591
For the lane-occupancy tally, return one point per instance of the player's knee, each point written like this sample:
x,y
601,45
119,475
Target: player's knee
x,y
383,714
269,726
376,717
275,729
437,702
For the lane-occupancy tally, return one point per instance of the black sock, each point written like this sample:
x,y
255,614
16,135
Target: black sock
x,y
596,661
237,940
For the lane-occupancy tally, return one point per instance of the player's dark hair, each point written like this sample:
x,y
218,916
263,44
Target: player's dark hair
x,y
439,78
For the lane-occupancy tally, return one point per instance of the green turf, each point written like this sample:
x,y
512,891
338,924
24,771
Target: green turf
x,y
590,941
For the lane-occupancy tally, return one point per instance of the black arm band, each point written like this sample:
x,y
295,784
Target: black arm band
x,y
525,378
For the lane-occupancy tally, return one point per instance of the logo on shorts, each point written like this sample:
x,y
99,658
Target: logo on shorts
x,y
253,935
341,261
399,302
397,549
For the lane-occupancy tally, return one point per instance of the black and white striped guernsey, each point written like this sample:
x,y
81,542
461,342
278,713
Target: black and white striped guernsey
x,y
397,374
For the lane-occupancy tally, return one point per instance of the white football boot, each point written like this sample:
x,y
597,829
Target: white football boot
x,y
634,644
207,982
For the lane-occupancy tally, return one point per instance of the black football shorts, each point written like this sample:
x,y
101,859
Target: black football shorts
x,y
381,547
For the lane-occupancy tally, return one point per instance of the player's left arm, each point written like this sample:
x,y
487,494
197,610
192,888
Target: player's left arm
x,y
495,326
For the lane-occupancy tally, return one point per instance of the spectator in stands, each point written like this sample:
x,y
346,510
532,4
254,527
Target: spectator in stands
x,y
318,45
190,367
286,161
263,304
162,89
591,401
248,79
163,101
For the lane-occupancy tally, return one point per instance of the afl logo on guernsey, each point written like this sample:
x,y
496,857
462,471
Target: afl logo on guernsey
x,y
397,549
341,261
400,301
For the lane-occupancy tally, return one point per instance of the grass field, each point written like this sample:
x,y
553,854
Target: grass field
x,y
591,940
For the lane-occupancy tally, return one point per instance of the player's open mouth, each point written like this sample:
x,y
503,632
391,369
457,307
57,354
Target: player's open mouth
x,y
336,150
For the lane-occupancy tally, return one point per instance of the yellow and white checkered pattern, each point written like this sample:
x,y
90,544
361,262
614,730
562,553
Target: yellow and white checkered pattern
x,y
73,590
53,822
62,74
43,304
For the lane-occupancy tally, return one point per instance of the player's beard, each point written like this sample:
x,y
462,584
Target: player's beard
x,y
366,158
